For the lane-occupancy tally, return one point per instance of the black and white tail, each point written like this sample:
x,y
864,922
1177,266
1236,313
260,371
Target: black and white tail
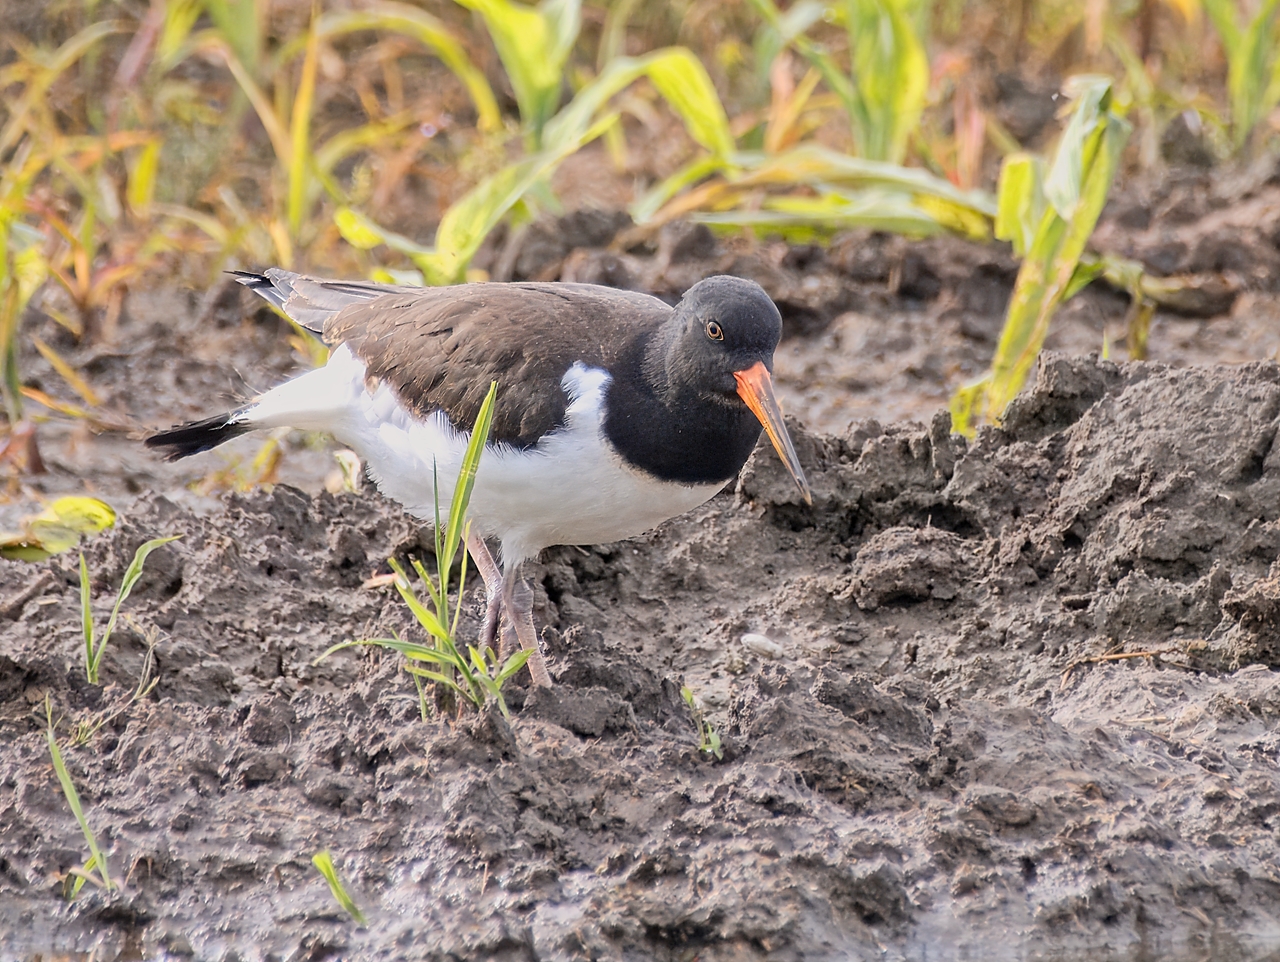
x,y
315,401
188,439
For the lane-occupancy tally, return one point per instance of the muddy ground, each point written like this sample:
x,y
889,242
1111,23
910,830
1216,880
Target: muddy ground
x,y
933,752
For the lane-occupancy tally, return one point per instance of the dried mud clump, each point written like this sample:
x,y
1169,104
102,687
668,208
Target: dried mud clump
x,y
1026,685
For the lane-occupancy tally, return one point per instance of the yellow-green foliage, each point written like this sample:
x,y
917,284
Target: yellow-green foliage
x,y
1253,70
1048,218
883,89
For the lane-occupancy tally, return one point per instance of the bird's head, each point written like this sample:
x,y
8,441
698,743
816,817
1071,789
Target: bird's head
x,y
724,332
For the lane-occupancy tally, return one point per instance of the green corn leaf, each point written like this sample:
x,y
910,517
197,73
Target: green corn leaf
x,y
57,528
533,44
1052,269
1253,70
890,74
697,169
810,164
1064,181
783,28
1020,201
676,73
467,222
832,211
361,232
683,82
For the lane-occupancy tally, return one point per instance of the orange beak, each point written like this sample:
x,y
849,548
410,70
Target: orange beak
x,y
756,388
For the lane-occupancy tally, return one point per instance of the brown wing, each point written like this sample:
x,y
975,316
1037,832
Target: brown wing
x,y
439,348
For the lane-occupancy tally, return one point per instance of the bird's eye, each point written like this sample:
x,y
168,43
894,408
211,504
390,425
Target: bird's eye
x,y
714,332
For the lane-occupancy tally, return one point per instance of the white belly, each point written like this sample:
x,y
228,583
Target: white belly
x,y
570,488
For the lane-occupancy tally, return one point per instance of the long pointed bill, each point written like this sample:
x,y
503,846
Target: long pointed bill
x,y
756,388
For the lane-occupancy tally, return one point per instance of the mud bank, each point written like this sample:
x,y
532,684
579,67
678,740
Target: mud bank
x,y
938,755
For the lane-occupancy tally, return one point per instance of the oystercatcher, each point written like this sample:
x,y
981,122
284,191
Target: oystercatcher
x,y
614,411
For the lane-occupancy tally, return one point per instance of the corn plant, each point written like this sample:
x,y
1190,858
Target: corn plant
x,y
304,169
883,91
476,675
1253,70
533,43
95,870
1048,217
676,74
94,646
323,861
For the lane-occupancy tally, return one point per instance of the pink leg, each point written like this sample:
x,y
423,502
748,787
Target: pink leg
x,y
519,608
492,578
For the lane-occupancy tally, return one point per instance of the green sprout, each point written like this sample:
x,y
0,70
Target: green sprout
x,y
324,862
95,647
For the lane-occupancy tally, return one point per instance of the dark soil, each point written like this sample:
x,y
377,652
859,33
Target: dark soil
x,y
942,736
930,759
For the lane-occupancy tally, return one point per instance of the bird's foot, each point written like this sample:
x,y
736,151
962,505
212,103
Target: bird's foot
x,y
518,604
510,594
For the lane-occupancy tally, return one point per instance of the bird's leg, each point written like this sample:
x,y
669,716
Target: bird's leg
x,y
517,601
492,578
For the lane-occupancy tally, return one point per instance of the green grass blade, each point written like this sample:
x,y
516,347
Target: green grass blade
x,y
462,582
467,478
73,801
86,620
180,18
513,665
425,617
324,862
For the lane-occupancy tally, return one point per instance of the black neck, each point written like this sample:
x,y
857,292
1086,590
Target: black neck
x,y
670,432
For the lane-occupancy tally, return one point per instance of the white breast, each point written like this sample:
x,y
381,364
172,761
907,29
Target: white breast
x,y
570,488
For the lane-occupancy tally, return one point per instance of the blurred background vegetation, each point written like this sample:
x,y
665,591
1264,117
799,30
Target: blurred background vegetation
x,y
174,139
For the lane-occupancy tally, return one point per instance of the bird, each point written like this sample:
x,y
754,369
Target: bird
x,y
615,411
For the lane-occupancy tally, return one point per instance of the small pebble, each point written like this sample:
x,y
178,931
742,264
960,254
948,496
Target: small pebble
x,y
761,645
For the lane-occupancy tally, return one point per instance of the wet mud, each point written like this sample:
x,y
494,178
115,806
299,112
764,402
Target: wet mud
x,y
1016,698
